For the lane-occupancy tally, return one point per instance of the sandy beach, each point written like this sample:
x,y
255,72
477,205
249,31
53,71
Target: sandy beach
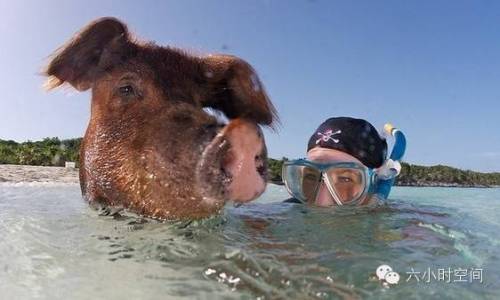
x,y
18,173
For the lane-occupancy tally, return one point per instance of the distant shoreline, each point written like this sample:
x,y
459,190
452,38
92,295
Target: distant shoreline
x,y
56,152
449,185
27,173
42,174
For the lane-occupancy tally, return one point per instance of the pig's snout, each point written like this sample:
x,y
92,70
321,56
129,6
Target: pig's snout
x,y
245,161
234,165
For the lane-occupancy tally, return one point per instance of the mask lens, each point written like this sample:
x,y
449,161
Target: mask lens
x,y
348,183
302,181
311,179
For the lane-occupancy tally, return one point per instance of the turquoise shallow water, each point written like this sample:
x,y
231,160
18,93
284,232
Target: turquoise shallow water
x,y
55,247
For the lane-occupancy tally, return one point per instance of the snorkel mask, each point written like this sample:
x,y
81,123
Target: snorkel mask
x,y
348,183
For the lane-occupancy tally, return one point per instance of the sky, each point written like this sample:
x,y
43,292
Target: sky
x,y
432,68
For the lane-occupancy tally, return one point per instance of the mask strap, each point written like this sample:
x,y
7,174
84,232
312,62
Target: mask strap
x,y
389,170
331,189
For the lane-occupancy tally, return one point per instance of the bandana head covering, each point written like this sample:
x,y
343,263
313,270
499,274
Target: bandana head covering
x,y
353,136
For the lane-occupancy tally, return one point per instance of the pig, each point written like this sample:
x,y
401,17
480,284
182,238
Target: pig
x,y
151,145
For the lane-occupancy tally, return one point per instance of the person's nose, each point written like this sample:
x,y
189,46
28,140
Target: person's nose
x,y
323,197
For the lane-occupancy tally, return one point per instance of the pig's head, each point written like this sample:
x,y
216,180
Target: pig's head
x,y
150,146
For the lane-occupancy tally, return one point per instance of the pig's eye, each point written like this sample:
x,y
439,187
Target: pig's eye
x,y
127,91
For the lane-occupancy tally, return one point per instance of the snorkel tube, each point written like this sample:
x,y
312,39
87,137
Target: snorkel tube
x,y
386,175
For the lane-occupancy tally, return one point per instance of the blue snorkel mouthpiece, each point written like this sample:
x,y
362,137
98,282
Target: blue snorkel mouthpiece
x,y
386,174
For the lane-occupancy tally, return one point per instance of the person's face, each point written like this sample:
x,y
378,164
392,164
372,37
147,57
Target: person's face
x,y
324,155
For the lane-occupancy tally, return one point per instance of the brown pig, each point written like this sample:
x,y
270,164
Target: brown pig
x,y
150,145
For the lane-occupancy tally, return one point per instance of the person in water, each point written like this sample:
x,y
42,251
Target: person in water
x,y
346,164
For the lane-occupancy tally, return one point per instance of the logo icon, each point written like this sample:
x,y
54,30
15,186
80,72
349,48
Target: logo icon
x,y
328,135
387,275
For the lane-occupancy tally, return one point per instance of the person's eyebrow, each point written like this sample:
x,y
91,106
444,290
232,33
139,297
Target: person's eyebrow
x,y
348,172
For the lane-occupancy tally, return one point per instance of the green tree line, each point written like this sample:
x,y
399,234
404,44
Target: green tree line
x,y
415,175
55,152
48,152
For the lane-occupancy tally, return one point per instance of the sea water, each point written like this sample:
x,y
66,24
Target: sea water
x,y
444,243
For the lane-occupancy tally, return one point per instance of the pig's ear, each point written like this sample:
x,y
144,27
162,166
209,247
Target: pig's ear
x,y
235,89
90,52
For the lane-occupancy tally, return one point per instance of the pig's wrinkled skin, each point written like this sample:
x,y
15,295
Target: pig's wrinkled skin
x,y
150,146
